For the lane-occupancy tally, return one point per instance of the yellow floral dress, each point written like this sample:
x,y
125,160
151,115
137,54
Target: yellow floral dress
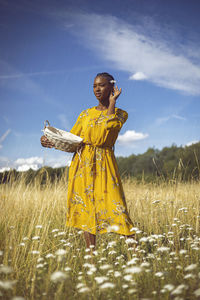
x,y
95,200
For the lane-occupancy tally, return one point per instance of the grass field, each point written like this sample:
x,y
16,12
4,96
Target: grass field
x,y
41,259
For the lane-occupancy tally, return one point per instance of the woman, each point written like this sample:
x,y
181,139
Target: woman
x,y
96,199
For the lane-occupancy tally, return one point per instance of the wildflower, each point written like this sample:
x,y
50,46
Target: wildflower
x,y
117,274
39,266
67,269
1,253
84,290
132,291
60,252
128,277
86,265
58,276
124,286
87,256
159,274
17,298
130,241
22,244
197,292
156,201
7,285
25,238
101,279
191,267
105,267
6,269
35,252
35,238
112,243
179,289
92,246
133,270
188,276
163,249
182,251
50,255
61,233
169,287
144,239
112,228
55,230
107,285
112,252
38,226
145,264
133,261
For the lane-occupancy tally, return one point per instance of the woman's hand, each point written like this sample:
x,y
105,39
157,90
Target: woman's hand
x,y
114,94
45,142
112,100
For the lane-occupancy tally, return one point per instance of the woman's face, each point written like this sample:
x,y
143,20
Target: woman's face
x,y
102,88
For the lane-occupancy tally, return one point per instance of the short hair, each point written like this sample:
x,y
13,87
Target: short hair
x,y
105,75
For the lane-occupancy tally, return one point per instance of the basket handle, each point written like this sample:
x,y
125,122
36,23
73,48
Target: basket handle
x,y
45,124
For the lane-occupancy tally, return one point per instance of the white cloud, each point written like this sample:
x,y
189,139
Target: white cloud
x,y
131,136
162,120
30,161
138,50
138,76
3,137
192,143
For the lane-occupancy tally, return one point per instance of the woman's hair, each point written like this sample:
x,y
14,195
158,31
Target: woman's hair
x,y
105,75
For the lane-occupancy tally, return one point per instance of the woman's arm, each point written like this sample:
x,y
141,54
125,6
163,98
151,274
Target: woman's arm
x,y
112,100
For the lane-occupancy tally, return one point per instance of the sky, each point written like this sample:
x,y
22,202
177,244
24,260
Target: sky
x,y
50,52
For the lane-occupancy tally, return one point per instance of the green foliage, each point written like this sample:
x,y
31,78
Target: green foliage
x,y
169,164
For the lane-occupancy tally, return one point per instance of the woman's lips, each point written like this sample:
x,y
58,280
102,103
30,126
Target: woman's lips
x,y
98,94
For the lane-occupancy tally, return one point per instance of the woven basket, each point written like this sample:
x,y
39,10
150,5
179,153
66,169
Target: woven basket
x,y
63,140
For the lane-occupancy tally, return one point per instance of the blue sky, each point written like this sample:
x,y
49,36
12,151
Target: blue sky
x,y
51,51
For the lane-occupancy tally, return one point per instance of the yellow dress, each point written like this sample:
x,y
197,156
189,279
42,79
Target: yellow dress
x,y
95,200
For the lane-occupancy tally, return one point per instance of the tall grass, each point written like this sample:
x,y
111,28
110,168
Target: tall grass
x,y
42,259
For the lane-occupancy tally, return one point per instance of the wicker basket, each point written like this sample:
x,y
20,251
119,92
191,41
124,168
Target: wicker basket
x,y
63,140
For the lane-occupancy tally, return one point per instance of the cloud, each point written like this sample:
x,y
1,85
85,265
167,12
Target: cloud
x,y
3,137
139,51
35,162
162,120
131,136
138,76
192,143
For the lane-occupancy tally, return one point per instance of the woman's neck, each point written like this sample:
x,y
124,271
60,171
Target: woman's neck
x,y
102,105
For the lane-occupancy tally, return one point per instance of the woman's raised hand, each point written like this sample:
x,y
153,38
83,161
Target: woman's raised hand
x,y
115,94
45,142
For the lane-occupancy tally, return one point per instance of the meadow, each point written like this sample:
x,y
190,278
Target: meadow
x,y
42,259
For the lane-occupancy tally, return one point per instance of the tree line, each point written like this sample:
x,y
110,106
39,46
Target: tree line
x,y
170,163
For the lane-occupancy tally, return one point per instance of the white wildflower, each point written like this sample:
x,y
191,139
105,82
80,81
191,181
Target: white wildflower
x,y
1,252
35,238
145,264
189,276
67,269
22,244
25,238
124,286
39,266
105,267
7,285
191,267
133,270
130,241
61,233
107,285
169,287
60,252
101,279
112,252
163,249
35,252
6,269
50,255
133,261
38,226
84,290
197,292
111,244
128,277
87,256
179,289
17,298
159,274
58,276
117,274
112,228
132,291
144,239
156,201
55,230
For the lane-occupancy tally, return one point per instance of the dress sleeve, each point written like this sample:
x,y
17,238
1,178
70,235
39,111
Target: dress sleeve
x,y
77,128
116,120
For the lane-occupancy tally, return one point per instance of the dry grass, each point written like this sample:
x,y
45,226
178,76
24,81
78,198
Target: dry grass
x,y
32,229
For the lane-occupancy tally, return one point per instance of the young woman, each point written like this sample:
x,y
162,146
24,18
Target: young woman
x,y
96,199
